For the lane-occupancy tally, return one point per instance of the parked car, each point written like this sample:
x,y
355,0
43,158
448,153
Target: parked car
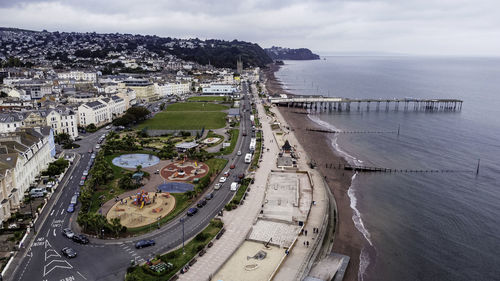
x,y
232,166
90,150
68,252
68,233
82,183
201,203
37,192
97,146
192,211
74,200
241,176
209,196
80,238
86,172
234,186
71,208
226,173
239,153
244,134
108,127
144,243
222,179
217,186
83,178
92,156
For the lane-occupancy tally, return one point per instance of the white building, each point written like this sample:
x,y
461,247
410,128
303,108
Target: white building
x,y
172,89
23,155
78,75
101,111
219,89
63,120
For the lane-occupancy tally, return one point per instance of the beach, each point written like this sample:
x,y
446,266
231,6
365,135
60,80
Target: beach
x,y
348,240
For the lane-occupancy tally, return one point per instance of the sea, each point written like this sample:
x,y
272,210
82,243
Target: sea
x,y
417,226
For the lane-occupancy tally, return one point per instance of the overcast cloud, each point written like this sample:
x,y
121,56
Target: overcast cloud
x,y
448,27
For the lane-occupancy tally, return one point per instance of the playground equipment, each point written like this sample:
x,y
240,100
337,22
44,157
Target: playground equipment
x,y
141,199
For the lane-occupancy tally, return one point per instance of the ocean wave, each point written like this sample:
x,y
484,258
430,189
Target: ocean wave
x,y
356,217
364,261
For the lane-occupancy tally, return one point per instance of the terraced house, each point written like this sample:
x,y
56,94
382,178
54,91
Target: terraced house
x,y
23,155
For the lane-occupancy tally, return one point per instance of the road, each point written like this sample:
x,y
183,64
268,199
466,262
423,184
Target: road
x,y
109,259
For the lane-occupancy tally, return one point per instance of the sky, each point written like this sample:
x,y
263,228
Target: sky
x,y
420,27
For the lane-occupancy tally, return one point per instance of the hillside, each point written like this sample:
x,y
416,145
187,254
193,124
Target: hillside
x,y
279,53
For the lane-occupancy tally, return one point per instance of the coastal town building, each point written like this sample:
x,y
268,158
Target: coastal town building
x,y
23,155
144,89
219,89
172,89
101,111
78,75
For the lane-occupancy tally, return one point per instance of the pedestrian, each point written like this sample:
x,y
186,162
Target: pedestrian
x,y
304,243
307,243
305,232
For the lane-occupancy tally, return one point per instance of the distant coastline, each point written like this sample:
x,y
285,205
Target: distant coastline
x,y
348,240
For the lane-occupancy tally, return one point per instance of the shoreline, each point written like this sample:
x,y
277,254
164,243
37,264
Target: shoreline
x,y
348,240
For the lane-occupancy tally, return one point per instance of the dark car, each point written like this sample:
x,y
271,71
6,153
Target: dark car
x,y
80,238
232,166
201,203
241,176
68,252
192,211
71,208
144,243
209,196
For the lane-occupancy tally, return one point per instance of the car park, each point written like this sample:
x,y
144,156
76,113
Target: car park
x,y
192,211
80,238
201,203
222,179
68,252
68,233
144,243
71,208
209,196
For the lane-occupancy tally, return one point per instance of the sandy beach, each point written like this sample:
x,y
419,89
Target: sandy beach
x,y
348,240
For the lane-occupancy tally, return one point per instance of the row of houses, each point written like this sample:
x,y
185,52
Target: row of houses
x,y
63,119
24,154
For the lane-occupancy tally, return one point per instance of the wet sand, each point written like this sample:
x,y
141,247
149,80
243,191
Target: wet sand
x,y
348,240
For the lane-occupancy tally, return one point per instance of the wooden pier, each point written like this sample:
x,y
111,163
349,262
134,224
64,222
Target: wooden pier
x,y
324,104
367,169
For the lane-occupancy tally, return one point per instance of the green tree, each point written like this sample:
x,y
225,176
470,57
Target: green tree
x,y
62,138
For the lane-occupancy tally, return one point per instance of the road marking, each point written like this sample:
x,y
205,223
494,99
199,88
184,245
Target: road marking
x,y
51,253
81,275
71,178
51,213
62,211
46,235
65,265
54,232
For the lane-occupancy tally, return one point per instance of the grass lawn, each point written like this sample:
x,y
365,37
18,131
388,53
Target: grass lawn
x,y
241,191
185,120
195,106
216,164
234,138
177,258
206,98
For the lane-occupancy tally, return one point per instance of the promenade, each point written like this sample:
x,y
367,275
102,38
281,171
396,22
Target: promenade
x,y
239,222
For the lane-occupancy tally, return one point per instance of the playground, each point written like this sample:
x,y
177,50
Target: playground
x,y
184,171
141,209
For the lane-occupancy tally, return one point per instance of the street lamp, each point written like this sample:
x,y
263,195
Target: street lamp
x,y
182,221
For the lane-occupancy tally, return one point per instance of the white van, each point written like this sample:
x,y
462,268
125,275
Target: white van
x,y
248,158
74,200
234,186
37,192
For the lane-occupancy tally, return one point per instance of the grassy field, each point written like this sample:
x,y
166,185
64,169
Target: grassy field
x,y
196,106
188,116
206,98
234,139
177,258
185,120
